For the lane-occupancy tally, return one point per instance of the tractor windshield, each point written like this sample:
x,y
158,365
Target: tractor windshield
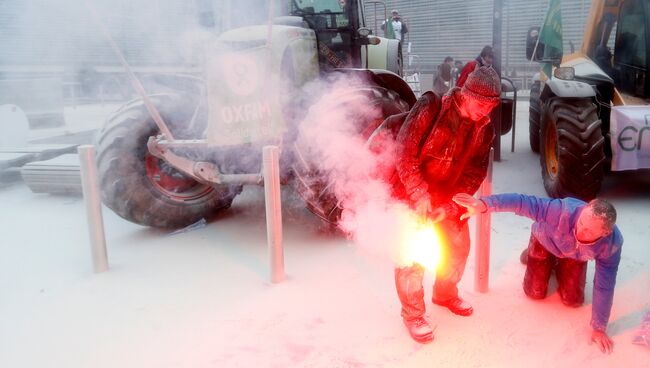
x,y
330,19
332,13
630,55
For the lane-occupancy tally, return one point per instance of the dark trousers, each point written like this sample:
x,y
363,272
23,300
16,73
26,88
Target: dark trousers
x,y
571,275
453,256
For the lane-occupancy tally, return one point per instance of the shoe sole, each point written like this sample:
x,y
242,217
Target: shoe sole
x,y
464,313
423,339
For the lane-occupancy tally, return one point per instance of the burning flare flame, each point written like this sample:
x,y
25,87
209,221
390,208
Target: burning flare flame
x,y
420,243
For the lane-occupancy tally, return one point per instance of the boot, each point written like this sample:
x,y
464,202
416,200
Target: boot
x,y
523,257
456,305
420,330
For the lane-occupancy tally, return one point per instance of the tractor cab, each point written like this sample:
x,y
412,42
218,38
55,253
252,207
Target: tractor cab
x,y
631,49
337,24
619,46
591,113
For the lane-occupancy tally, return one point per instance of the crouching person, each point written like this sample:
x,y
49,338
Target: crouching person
x,y
565,235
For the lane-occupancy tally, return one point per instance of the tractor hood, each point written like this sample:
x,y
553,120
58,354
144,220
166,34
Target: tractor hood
x,y
256,36
587,71
249,80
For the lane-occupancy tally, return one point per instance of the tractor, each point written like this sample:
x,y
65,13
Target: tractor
x,y
590,114
172,158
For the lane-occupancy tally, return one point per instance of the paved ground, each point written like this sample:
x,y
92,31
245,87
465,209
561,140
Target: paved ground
x,y
202,298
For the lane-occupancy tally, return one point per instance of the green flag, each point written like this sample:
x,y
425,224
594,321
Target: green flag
x,y
390,32
551,34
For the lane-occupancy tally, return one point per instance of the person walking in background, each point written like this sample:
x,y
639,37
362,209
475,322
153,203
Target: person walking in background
x,y
455,72
485,58
394,27
566,233
442,81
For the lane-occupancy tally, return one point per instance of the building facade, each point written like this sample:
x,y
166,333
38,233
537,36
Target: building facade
x,y
459,29
64,36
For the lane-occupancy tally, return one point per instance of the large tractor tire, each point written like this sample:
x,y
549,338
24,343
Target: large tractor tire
x,y
572,155
314,185
534,114
144,189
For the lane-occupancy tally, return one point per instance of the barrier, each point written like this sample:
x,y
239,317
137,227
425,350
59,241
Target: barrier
x,y
271,173
482,236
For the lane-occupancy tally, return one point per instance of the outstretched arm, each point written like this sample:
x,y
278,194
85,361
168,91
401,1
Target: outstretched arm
x,y
603,295
534,208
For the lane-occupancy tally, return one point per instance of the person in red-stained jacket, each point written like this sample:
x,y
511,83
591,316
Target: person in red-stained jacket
x,y
485,58
443,149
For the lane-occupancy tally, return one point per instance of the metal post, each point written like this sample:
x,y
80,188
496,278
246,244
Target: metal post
x,y
497,22
375,30
482,236
271,172
514,119
92,197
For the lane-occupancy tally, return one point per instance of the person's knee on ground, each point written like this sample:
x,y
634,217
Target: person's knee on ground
x,y
538,270
571,279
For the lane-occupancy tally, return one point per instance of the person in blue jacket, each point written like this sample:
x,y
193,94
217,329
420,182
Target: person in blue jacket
x,y
565,235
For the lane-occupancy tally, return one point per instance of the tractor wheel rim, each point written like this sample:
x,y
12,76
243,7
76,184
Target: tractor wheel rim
x,y
171,182
550,151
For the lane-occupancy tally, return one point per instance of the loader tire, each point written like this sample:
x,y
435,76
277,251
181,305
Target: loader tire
x,y
142,188
534,114
572,155
312,183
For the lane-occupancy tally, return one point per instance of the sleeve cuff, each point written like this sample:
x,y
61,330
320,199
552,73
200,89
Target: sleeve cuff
x,y
597,326
488,203
487,208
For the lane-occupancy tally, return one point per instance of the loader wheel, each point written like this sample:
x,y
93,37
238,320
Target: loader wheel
x,y
313,184
572,155
142,188
534,113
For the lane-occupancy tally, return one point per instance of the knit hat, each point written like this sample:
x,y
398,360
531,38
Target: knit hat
x,y
483,84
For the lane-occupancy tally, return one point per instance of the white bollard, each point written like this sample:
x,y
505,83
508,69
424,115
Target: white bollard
x,y
92,197
482,236
271,173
